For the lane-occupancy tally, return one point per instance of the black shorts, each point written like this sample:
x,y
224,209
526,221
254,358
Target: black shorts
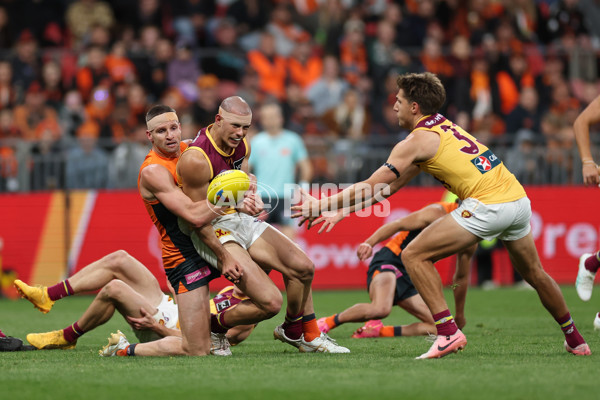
x,y
190,275
386,261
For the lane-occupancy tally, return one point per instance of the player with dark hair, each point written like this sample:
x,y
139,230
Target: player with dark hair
x,y
494,204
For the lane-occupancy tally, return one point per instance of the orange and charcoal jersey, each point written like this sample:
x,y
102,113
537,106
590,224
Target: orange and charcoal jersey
x,y
466,167
403,238
176,246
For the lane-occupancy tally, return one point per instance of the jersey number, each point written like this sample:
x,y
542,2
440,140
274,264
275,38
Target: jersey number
x,y
471,148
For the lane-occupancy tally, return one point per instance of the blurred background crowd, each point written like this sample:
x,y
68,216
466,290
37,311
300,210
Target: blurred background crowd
x,y
76,77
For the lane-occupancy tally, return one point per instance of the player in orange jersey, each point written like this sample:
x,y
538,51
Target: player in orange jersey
x,y
389,284
494,204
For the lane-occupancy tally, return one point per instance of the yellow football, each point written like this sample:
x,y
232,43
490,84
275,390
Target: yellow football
x,y
228,187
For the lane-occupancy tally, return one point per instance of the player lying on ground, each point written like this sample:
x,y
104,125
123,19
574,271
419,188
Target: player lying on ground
x,y
126,286
388,282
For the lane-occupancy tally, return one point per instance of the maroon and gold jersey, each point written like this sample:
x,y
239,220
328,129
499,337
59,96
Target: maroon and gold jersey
x,y
218,160
467,167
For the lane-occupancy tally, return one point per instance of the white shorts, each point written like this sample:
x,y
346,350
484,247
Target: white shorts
x,y
505,221
237,227
167,315
240,228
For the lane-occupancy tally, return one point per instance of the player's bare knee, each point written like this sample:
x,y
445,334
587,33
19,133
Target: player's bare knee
x,y
117,260
305,269
273,306
408,258
379,311
113,290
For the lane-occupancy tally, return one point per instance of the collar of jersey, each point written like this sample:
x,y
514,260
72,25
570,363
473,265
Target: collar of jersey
x,y
217,148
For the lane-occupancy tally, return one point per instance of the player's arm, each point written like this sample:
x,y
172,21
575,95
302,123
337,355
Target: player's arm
x,y
460,284
581,127
194,171
398,170
413,221
157,183
305,171
146,322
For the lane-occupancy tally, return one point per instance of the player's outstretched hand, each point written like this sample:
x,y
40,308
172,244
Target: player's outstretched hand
x,y
144,322
329,219
307,210
364,251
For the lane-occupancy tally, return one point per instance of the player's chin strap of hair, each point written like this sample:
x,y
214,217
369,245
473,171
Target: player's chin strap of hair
x,y
392,168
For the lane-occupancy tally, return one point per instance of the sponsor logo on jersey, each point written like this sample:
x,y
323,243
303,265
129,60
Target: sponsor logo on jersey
x,y
466,214
222,305
486,161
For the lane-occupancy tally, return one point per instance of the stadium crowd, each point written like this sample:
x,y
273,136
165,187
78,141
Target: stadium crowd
x,y
77,76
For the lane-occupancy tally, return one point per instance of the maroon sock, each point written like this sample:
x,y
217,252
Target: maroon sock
x,y
444,322
292,326
568,327
217,323
2,334
60,290
592,263
72,332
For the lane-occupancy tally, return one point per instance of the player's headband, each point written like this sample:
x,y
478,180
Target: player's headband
x,y
161,119
242,120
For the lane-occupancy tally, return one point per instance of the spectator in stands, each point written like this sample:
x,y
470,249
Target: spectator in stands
x,y
34,114
71,114
270,67
331,17
305,67
228,60
151,62
81,15
8,95
526,114
99,110
25,63
7,31
183,70
350,119
285,31
523,159
353,52
94,72
207,105
249,15
47,164
119,66
384,53
327,92
507,85
52,84
87,164
127,158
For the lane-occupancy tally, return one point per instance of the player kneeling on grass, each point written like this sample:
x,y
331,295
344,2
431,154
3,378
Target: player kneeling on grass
x,y
388,282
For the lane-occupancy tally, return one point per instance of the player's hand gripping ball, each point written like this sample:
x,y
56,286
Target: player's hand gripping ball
x,y
228,188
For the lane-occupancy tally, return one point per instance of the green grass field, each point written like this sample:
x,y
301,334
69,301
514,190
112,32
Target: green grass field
x,y
514,352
